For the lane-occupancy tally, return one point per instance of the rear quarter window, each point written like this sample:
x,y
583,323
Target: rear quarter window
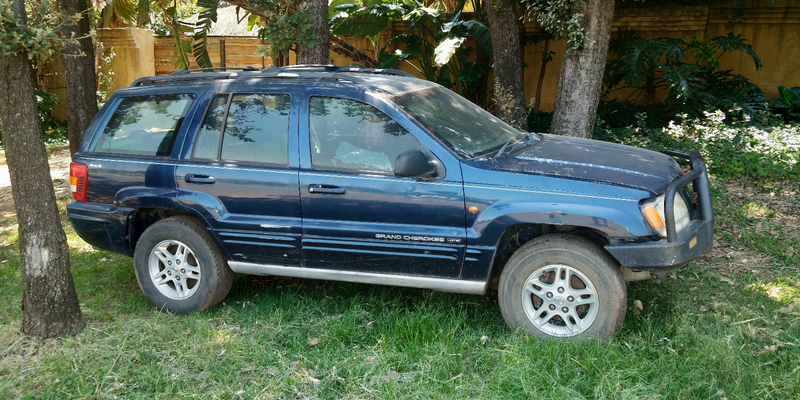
x,y
144,125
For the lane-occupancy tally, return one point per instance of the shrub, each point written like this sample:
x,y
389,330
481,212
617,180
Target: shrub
x,y
686,73
764,148
539,121
787,104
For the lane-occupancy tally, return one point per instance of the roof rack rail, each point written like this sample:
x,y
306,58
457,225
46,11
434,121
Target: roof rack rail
x,y
299,71
186,74
336,68
188,71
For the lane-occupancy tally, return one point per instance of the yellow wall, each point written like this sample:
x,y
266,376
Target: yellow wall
x,y
50,76
774,32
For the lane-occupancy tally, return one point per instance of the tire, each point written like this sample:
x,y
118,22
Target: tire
x,y
179,268
588,301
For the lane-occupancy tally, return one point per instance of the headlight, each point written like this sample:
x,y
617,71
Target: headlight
x,y
653,211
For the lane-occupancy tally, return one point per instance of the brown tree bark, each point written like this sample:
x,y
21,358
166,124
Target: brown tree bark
x,y
318,54
581,77
509,95
79,73
49,303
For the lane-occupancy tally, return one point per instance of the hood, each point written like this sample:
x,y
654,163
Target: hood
x,y
589,160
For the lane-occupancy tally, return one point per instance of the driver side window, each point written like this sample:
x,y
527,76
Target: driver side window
x,y
354,136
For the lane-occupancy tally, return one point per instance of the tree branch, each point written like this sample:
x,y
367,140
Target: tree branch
x,y
340,46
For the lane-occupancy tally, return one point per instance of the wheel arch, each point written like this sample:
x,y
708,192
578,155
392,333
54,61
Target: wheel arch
x,y
516,236
142,218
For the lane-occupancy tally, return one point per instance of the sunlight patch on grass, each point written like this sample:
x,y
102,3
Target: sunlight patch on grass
x,y
754,210
223,335
781,291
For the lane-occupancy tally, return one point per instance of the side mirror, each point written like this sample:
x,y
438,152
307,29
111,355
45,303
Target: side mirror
x,y
413,163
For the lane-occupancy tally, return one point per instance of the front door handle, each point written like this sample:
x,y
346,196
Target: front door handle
x,y
328,189
195,178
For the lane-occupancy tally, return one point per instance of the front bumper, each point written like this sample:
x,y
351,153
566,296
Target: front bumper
x,y
691,243
678,248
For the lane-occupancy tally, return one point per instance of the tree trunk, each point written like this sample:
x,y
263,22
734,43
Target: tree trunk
x,y
79,73
509,95
318,54
581,77
49,303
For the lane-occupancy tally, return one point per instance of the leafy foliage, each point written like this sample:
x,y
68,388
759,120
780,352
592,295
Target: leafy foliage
x,y
282,28
437,46
787,104
40,38
762,148
119,13
686,72
539,121
105,75
189,39
557,18
206,17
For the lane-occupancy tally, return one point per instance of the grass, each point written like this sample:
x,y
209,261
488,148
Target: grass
x,y
723,328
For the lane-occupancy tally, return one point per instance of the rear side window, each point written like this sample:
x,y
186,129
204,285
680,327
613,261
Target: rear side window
x,y
145,125
255,129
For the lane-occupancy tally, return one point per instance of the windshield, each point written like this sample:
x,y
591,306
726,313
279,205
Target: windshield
x,y
465,128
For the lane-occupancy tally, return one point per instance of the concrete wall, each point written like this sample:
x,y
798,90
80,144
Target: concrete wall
x,y
134,54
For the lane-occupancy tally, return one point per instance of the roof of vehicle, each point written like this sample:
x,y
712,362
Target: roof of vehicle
x,y
387,80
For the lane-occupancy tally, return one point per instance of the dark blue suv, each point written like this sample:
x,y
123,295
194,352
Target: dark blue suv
x,y
375,176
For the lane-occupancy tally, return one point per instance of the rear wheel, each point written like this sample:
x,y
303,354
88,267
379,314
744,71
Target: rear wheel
x,y
179,268
563,286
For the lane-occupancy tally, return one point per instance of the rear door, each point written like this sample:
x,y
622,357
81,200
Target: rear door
x,y
239,171
357,216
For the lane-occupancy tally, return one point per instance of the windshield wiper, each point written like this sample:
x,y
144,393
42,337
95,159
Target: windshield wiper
x,y
515,140
502,149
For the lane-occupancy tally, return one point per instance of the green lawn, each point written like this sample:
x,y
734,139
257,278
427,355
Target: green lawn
x,y
727,327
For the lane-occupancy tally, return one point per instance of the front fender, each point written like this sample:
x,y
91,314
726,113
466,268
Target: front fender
x,y
619,220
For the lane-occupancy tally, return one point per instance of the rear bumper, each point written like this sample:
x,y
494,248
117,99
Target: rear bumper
x,y
101,225
678,248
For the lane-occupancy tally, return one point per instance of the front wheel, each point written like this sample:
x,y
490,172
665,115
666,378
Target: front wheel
x,y
179,267
563,286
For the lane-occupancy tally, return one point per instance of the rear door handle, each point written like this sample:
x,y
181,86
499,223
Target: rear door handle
x,y
194,178
328,189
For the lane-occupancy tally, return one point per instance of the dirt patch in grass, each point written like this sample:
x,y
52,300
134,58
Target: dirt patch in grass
x,y
748,211
59,160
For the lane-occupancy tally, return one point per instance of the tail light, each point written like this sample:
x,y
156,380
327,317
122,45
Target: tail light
x,y
78,178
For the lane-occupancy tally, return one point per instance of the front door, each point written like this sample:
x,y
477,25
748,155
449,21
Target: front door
x,y
358,216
